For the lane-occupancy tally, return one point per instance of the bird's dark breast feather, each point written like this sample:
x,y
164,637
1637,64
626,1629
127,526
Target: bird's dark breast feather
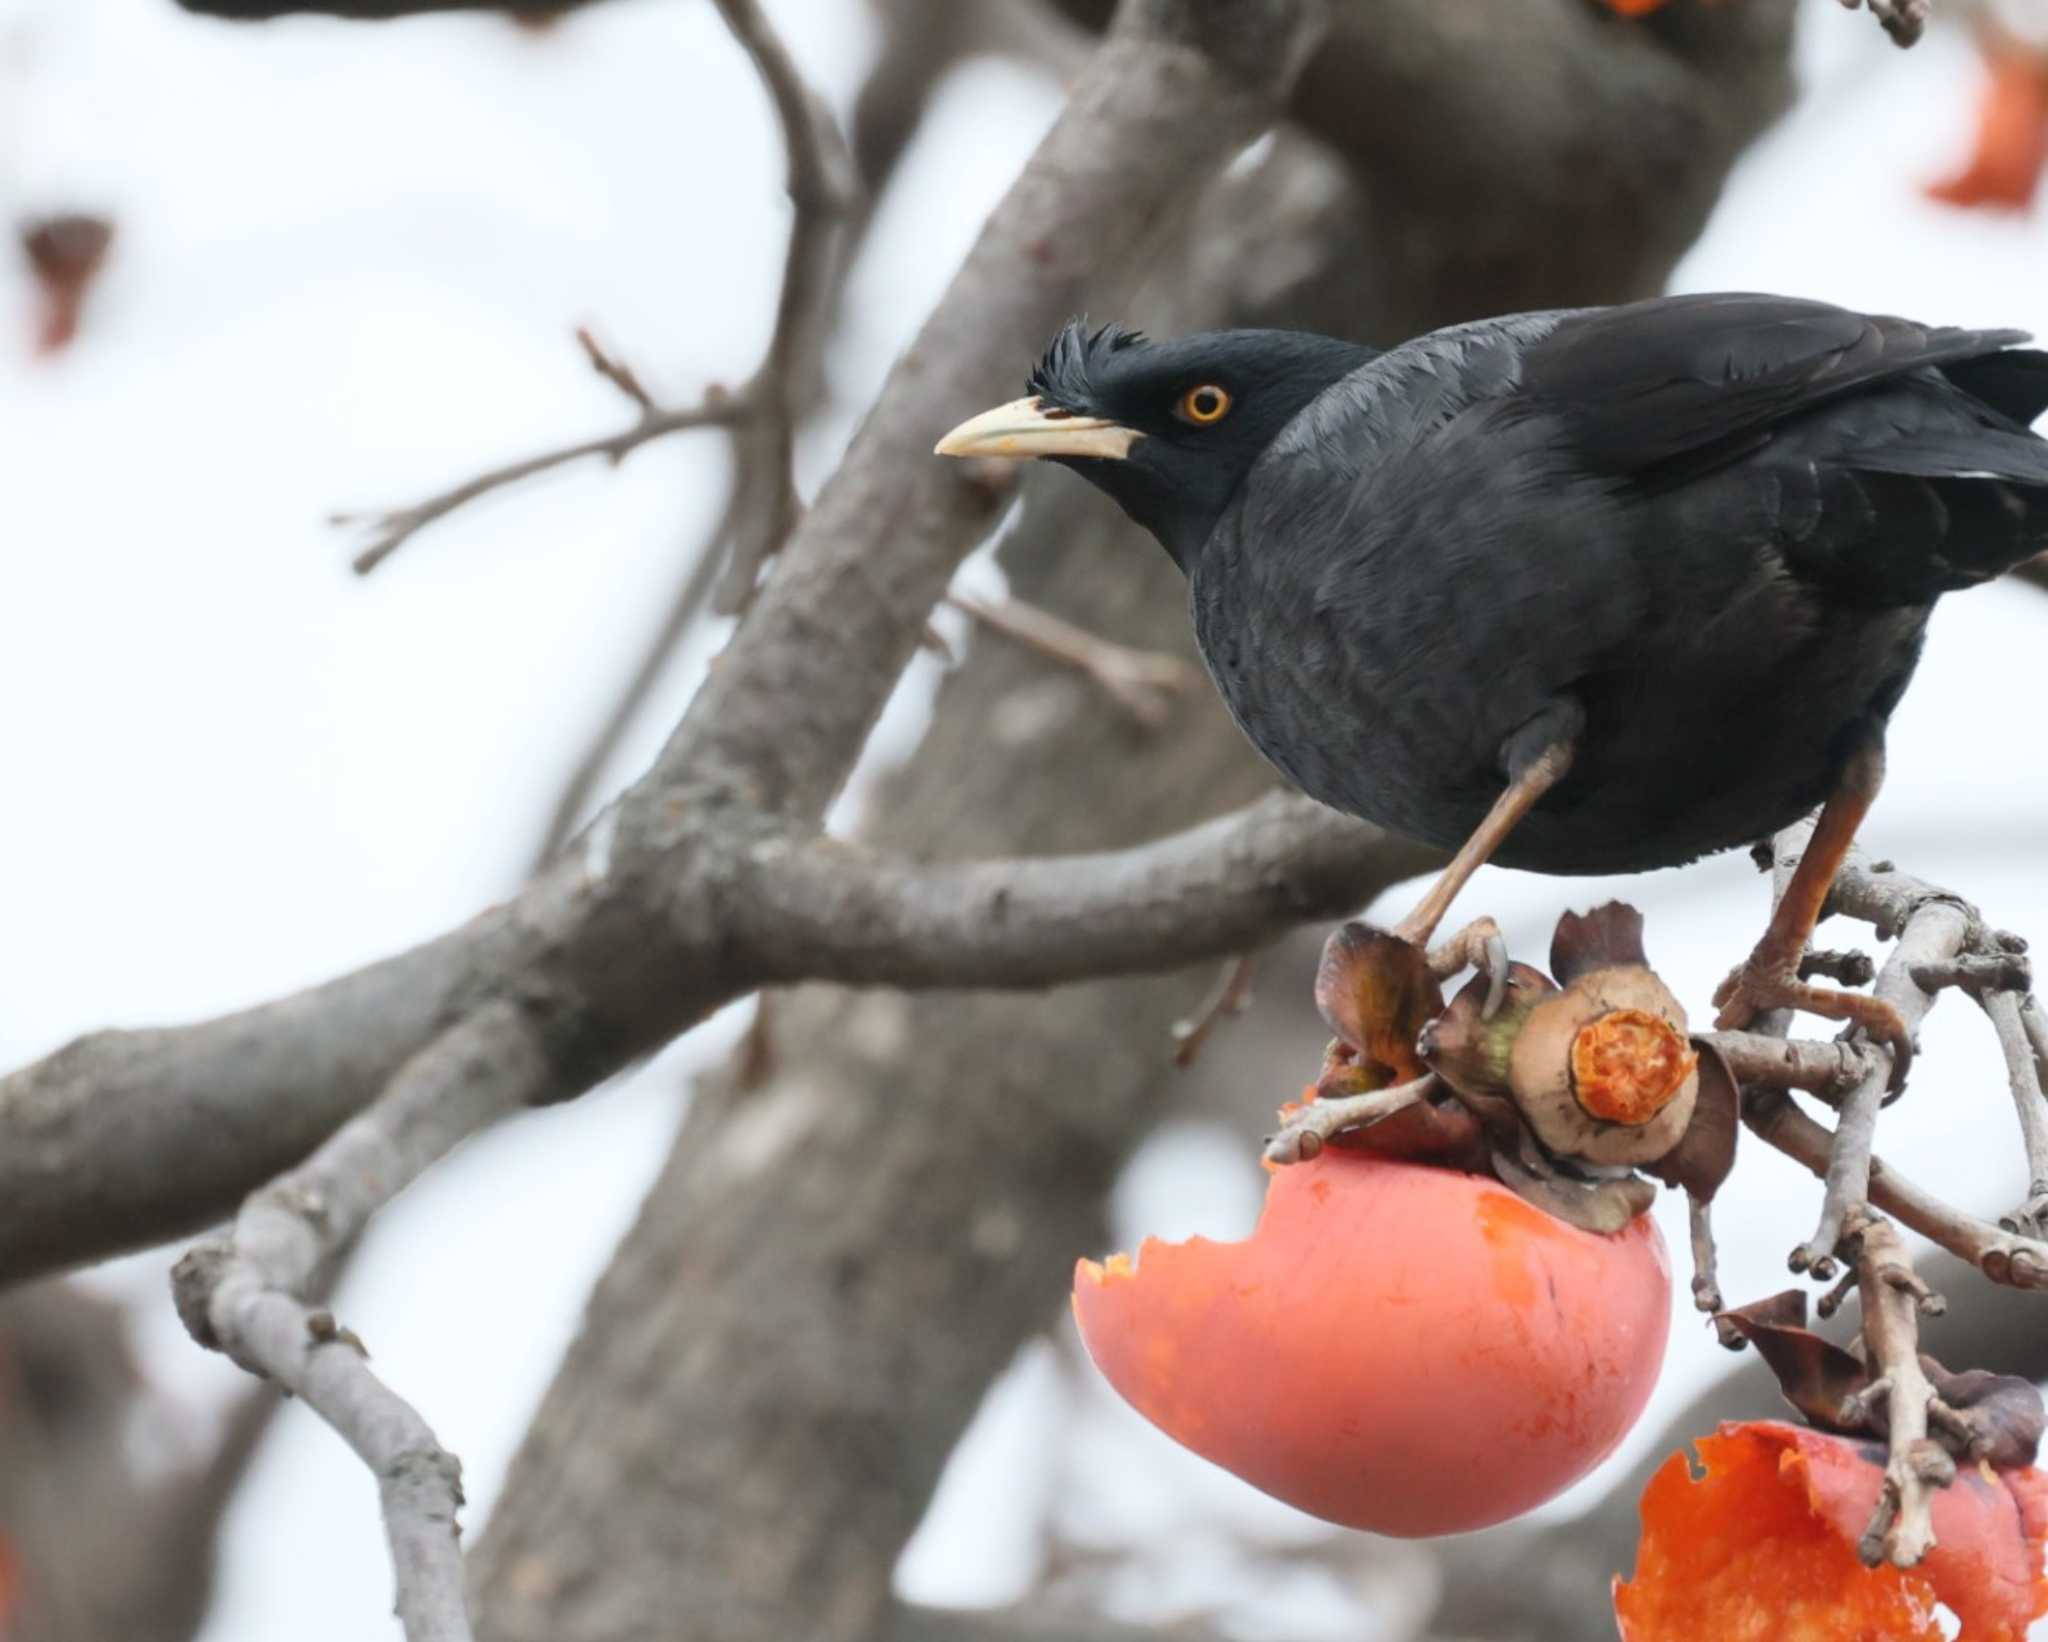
x,y
1434,552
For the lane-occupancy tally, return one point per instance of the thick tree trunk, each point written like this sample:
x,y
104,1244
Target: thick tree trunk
x,y
835,1263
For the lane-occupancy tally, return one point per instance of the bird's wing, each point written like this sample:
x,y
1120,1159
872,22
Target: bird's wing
x,y
1692,382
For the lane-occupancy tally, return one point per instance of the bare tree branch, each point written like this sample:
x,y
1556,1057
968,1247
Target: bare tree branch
x,y
1176,85
822,188
2003,1256
391,530
118,1159
1140,682
1933,926
242,1295
1231,996
1830,1070
843,915
761,413
1901,1529
687,604
2023,1078
760,507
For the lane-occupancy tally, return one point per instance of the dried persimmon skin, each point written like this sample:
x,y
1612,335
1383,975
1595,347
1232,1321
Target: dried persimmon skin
x,y
1763,1545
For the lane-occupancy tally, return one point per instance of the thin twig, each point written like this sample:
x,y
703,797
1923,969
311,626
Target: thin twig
x,y
1829,1070
1838,1296
762,413
1232,996
2003,1256
581,784
1844,968
242,1295
1999,971
1933,926
1901,1529
1304,1131
2023,1078
393,529
1141,682
761,505
615,371
823,188
1706,1271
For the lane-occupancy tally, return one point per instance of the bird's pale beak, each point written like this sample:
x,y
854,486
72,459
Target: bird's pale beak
x,y
1025,427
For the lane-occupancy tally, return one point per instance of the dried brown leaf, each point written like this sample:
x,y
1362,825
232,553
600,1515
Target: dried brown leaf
x,y
1817,1376
1705,1153
1608,936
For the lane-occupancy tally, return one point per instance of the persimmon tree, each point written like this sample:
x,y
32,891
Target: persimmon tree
x,y
802,1348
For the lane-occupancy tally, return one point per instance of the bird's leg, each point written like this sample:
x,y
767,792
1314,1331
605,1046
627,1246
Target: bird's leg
x,y
1538,757
1769,977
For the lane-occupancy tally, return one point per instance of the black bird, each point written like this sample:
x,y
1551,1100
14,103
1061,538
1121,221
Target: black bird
x,y
1586,591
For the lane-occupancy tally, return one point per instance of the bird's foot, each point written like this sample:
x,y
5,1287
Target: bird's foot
x,y
1479,945
1760,984
1306,1128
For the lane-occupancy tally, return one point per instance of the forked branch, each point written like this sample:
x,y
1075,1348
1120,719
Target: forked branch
x,y
245,1294
761,413
1901,1529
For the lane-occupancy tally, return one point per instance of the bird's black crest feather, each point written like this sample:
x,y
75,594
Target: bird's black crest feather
x,y
1064,374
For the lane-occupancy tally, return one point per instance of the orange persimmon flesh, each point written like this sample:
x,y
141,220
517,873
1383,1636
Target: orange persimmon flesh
x,y
1408,1349
1628,1064
1763,1546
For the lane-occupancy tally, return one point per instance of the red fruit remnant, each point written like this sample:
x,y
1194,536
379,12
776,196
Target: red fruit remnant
x,y
2011,149
1764,1544
65,253
1408,1349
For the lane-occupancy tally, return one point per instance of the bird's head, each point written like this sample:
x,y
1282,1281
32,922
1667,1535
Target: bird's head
x,y
1168,429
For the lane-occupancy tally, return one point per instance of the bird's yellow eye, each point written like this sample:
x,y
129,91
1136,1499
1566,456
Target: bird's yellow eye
x,y
1203,405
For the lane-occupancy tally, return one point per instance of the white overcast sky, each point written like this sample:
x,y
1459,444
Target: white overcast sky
x,y
348,263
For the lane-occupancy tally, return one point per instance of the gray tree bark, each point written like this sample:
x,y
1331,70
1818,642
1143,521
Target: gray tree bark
x,y
836,1260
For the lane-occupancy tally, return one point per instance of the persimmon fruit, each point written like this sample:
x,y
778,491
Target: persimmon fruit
x,y
1763,1544
1404,1348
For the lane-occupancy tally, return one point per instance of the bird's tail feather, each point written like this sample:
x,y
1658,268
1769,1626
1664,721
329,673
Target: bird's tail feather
x,y
2013,382
1982,494
1977,454
1944,508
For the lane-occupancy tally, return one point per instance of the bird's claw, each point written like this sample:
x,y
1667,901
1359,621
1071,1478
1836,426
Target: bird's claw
x,y
1754,988
1481,946
1494,965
